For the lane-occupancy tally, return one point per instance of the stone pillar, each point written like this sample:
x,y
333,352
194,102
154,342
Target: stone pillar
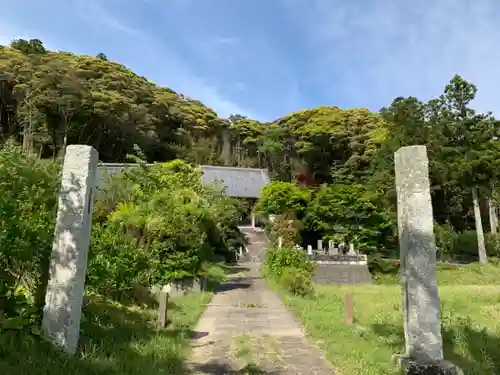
x,y
351,249
253,221
342,248
421,305
309,250
280,242
320,245
68,264
331,245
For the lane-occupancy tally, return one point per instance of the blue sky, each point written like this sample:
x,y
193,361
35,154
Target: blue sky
x,y
267,58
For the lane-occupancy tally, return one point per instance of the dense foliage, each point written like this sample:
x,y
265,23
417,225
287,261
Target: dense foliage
x,y
27,218
333,167
157,224
151,225
291,269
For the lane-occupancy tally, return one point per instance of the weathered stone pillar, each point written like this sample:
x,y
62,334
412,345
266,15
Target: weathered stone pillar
x,y
68,265
421,305
253,221
310,250
351,251
320,245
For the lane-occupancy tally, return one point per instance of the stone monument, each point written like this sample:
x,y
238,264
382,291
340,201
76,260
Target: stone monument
x,y
421,304
310,250
68,264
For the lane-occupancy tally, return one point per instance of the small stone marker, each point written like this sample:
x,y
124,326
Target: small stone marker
x,y
421,304
348,309
341,248
162,309
351,249
320,245
309,250
331,245
68,265
280,242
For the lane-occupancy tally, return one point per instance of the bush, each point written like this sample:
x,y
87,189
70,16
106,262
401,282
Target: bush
x,y
291,269
493,245
351,213
173,221
115,265
27,218
445,239
283,198
151,225
296,281
278,259
380,266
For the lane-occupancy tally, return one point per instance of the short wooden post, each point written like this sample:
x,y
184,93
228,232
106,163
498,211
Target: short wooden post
x,y
348,309
162,309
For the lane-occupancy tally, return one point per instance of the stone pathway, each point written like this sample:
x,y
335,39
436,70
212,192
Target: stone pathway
x,y
246,329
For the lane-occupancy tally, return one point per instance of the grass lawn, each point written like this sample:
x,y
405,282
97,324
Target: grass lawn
x,y
115,340
470,320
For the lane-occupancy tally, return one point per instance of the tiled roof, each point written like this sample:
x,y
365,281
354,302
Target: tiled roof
x,y
239,182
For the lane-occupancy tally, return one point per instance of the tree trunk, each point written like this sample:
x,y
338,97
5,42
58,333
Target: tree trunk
x,y
226,147
493,214
481,247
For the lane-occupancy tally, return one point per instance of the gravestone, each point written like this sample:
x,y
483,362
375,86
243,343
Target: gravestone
x,y
421,304
309,250
341,248
351,249
320,245
68,264
331,245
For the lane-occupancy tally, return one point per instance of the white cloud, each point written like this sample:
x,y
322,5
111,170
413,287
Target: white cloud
x,y
387,48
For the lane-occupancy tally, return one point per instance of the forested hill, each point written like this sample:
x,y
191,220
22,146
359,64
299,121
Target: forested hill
x,y
50,99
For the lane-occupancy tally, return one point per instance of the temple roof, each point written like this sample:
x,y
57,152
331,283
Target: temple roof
x,y
239,182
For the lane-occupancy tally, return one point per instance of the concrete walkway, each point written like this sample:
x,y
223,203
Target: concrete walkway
x,y
246,329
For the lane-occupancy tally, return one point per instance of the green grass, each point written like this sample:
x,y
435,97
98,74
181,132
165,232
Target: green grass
x,y
115,339
470,320
473,274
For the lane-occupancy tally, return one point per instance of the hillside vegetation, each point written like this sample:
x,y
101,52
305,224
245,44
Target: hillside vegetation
x,y
343,158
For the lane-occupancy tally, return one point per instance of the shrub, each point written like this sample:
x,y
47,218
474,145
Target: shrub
x,y
445,239
283,198
278,259
27,218
176,222
115,265
380,266
493,245
296,281
351,213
